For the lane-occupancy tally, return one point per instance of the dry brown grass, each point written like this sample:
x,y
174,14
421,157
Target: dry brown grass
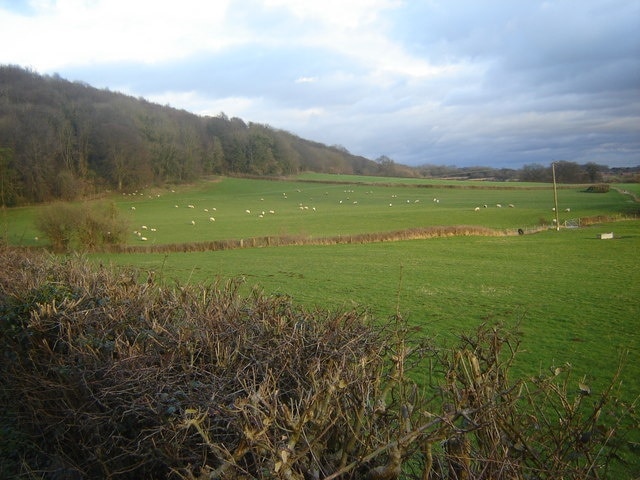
x,y
105,377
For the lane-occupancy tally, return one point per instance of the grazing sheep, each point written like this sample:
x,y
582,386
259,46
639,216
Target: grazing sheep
x,y
567,209
144,239
154,230
133,208
477,209
191,206
211,219
193,222
485,206
248,211
206,210
498,205
176,206
511,205
272,212
144,227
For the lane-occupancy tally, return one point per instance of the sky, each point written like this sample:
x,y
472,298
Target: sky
x,y
501,83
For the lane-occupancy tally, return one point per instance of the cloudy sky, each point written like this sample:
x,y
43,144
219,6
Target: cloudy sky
x,y
449,82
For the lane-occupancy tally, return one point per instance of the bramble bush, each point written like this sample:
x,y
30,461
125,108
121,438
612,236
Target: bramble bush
x,y
105,376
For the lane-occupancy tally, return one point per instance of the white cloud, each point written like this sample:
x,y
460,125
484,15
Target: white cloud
x,y
75,32
340,14
306,79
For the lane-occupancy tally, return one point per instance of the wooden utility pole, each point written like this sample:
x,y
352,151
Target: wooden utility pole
x,y
555,194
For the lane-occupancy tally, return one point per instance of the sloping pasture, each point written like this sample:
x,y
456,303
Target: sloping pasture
x,y
242,208
253,208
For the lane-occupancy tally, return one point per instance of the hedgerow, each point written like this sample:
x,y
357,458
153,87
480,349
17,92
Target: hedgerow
x,y
105,376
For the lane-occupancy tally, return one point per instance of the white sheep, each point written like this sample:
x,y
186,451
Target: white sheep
x,y
191,206
144,227
193,222
477,209
144,239
248,211
272,212
211,219
133,208
498,205
154,230
567,209
511,205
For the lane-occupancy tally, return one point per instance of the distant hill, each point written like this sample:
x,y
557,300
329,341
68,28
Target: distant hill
x,y
62,139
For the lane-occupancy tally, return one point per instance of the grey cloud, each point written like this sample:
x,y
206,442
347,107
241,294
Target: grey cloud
x,y
537,81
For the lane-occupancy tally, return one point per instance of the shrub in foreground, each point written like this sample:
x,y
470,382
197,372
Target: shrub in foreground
x,y
108,377
70,226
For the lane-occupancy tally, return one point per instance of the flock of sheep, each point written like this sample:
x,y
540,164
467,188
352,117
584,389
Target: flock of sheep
x,y
141,233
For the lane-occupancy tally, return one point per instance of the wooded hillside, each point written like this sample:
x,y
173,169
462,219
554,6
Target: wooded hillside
x,y
63,139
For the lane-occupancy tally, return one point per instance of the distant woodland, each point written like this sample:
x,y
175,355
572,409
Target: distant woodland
x,y
64,140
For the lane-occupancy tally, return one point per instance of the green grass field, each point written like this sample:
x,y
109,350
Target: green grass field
x,y
313,209
575,298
